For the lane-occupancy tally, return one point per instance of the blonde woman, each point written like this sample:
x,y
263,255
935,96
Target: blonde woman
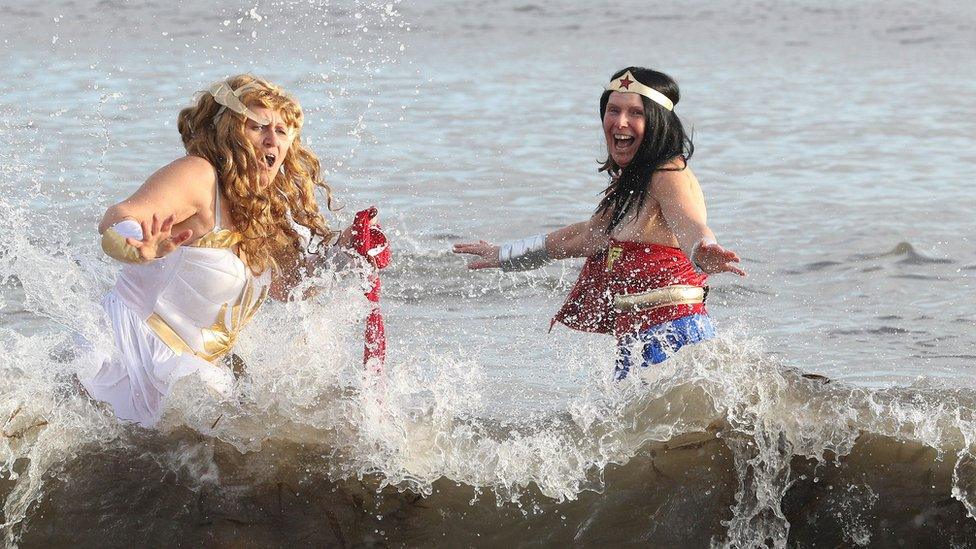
x,y
205,239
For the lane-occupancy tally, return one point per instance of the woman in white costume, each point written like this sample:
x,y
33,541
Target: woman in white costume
x,y
204,240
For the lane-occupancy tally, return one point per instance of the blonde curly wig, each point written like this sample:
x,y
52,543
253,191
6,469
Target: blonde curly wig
x,y
262,213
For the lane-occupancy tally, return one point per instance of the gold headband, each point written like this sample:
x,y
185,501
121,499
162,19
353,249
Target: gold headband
x,y
229,98
628,84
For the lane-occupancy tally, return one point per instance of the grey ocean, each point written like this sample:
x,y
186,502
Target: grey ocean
x,y
835,145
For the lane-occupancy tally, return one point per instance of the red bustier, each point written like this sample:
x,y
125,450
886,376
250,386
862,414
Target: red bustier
x,y
627,268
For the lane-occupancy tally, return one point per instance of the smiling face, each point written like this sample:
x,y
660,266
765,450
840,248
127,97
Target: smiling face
x,y
271,142
623,126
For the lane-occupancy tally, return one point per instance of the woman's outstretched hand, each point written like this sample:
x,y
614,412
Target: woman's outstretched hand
x,y
157,240
486,254
712,258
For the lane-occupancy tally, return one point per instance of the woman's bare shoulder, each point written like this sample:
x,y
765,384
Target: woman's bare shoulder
x,y
675,172
677,164
182,188
192,176
191,169
185,182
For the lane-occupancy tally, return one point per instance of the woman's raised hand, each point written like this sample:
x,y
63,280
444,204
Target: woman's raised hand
x,y
486,254
348,236
712,258
157,240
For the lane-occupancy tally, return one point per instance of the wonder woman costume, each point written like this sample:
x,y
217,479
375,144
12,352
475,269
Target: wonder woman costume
x,y
648,295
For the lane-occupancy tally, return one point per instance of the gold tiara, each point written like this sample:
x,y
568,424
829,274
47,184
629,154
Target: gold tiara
x,y
229,98
628,84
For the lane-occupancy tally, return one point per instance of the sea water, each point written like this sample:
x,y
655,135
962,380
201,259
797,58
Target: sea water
x,y
834,144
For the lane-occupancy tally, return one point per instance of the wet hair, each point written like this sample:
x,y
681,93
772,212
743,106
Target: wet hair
x,y
664,141
262,214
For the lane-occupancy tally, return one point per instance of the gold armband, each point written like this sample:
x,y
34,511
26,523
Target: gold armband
x,y
115,246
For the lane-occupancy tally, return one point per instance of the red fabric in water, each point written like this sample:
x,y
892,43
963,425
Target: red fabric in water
x,y
372,244
626,268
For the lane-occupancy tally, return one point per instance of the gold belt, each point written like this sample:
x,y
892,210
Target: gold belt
x,y
168,335
218,338
677,294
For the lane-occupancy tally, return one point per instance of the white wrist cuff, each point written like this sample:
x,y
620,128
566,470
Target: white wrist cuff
x,y
129,228
523,255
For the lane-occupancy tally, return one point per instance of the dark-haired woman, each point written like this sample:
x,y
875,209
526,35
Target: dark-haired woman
x,y
648,245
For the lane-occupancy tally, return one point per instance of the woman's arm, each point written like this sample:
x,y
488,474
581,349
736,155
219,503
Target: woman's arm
x,y
683,207
294,268
291,268
181,189
581,239
138,229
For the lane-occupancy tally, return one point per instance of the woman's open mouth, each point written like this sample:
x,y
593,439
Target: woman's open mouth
x,y
270,160
622,142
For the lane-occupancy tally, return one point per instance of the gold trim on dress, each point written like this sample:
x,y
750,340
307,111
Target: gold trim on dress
x,y
219,338
224,238
168,335
677,294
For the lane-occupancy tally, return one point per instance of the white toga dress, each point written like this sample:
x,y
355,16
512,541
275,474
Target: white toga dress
x,y
172,317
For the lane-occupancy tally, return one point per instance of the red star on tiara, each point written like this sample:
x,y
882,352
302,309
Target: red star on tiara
x,y
628,84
